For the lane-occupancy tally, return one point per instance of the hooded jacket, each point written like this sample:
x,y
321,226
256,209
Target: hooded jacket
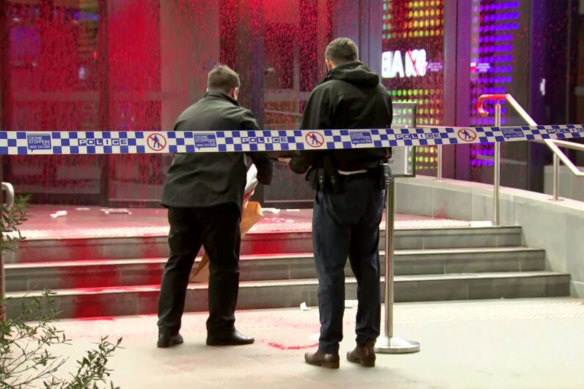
x,y
350,96
207,179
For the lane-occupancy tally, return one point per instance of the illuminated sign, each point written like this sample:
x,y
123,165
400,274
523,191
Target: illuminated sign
x,y
392,64
481,67
415,76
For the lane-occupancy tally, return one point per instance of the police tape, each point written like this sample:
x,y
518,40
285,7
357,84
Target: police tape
x,y
149,142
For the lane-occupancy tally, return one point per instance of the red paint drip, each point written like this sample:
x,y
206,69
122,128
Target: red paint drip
x,y
282,347
96,318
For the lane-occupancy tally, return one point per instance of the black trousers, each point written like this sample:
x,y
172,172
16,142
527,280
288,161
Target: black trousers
x,y
345,225
217,229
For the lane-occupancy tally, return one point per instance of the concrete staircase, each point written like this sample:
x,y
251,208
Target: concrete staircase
x,y
121,276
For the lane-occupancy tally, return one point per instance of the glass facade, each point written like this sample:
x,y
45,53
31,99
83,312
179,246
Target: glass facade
x,y
136,64
125,65
499,65
83,65
50,77
413,63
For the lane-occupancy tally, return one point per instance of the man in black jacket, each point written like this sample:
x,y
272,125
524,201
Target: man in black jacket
x,y
204,193
349,200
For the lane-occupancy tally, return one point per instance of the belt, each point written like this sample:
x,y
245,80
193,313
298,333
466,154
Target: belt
x,y
350,173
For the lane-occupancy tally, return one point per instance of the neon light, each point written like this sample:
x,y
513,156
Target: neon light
x,y
493,26
409,25
392,64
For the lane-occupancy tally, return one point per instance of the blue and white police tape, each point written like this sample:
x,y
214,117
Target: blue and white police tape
x,y
148,142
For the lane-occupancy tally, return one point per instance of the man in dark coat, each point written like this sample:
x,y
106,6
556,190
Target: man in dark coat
x,y
349,200
204,193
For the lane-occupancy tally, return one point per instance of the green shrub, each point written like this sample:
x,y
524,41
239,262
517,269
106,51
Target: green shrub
x,y
26,359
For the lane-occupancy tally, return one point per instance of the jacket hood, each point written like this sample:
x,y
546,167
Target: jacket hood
x,y
355,73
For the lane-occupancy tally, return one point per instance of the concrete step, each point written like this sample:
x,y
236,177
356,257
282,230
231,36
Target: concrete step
x,y
110,273
43,250
140,300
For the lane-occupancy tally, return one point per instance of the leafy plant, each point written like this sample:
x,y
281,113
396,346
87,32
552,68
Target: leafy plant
x,y
26,359
10,219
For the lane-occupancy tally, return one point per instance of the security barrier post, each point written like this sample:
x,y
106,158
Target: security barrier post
x,y
389,344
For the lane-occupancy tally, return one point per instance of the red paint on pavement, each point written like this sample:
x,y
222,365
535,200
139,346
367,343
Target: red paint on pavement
x,y
96,318
282,347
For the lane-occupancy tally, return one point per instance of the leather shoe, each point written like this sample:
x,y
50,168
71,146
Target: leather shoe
x,y
233,339
363,354
319,358
166,340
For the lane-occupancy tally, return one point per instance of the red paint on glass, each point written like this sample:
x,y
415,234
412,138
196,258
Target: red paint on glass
x,y
135,65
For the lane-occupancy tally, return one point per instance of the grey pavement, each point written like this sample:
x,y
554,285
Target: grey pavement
x,y
525,343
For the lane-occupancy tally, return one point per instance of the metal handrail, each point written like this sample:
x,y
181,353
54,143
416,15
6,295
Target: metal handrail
x,y
528,119
497,147
553,144
568,145
559,155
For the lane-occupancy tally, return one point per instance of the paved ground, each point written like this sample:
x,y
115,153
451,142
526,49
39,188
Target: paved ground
x,y
533,343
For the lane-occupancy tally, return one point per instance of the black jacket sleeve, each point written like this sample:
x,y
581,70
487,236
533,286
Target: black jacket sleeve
x,y
260,159
316,115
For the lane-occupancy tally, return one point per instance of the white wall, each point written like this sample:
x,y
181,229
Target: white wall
x,y
570,185
556,227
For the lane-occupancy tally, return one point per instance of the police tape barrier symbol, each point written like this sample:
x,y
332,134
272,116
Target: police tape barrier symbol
x,y
314,139
142,142
467,135
156,142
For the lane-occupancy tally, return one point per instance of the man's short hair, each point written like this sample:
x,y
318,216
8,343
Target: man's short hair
x,y
222,78
342,50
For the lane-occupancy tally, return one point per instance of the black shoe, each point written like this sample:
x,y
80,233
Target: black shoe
x,y
166,340
233,339
318,358
363,354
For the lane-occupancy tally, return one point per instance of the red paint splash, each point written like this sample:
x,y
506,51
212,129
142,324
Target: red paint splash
x,y
97,318
282,347
135,65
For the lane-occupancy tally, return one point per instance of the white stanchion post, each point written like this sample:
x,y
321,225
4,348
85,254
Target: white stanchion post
x,y
497,169
556,177
439,162
390,344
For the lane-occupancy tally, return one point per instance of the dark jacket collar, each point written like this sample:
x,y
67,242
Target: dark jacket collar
x,y
221,95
